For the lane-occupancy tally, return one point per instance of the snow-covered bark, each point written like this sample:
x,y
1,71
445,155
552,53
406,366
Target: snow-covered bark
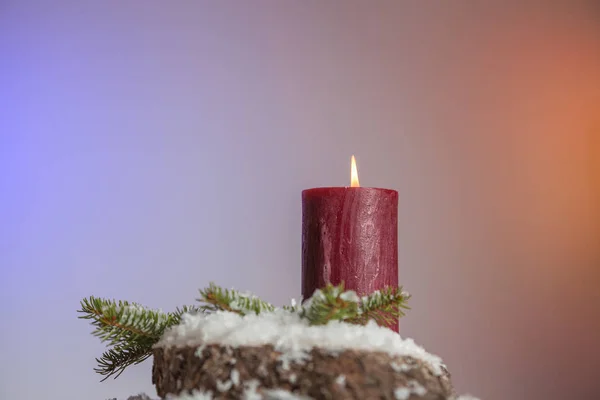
x,y
228,356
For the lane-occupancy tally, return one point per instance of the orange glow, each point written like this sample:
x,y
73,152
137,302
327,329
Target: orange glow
x,y
353,174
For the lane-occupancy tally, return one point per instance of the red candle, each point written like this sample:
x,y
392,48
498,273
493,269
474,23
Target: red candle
x,y
349,234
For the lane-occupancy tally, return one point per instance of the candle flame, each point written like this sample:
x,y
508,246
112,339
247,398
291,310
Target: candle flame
x,y
353,174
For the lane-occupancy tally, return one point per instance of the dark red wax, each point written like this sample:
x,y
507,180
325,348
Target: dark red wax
x,y
349,234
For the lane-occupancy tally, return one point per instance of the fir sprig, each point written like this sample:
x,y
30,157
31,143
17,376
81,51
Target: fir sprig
x,y
382,306
115,360
333,303
131,328
216,298
122,321
330,303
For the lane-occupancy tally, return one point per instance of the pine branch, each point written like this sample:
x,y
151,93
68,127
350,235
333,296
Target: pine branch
x,y
333,303
121,356
330,303
216,298
131,328
179,311
122,321
294,307
382,306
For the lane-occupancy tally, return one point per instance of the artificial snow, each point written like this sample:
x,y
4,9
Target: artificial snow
x,y
224,386
417,388
250,392
414,387
400,367
128,313
402,393
200,350
293,356
290,334
235,377
350,295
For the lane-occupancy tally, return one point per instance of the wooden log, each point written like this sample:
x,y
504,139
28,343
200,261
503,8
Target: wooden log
x,y
239,372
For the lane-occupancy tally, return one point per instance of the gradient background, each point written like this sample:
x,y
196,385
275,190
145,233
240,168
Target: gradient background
x,y
148,148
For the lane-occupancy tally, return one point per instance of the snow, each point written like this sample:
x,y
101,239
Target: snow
x,y
250,392
414,387
293,378
224,386
417,388
295,305
235,377
131,311
402,393
290,334
375,295
293,356
200,350
400,367
350,295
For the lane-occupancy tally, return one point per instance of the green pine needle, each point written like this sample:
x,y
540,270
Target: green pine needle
x,y
330,303
130,328
383,306
121,356
216,298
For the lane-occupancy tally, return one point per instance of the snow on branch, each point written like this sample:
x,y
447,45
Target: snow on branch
x,y
130,329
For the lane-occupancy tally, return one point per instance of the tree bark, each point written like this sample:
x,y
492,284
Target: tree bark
x,y
350,374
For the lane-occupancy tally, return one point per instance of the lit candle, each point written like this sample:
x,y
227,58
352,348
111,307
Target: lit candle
x,y
350,234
